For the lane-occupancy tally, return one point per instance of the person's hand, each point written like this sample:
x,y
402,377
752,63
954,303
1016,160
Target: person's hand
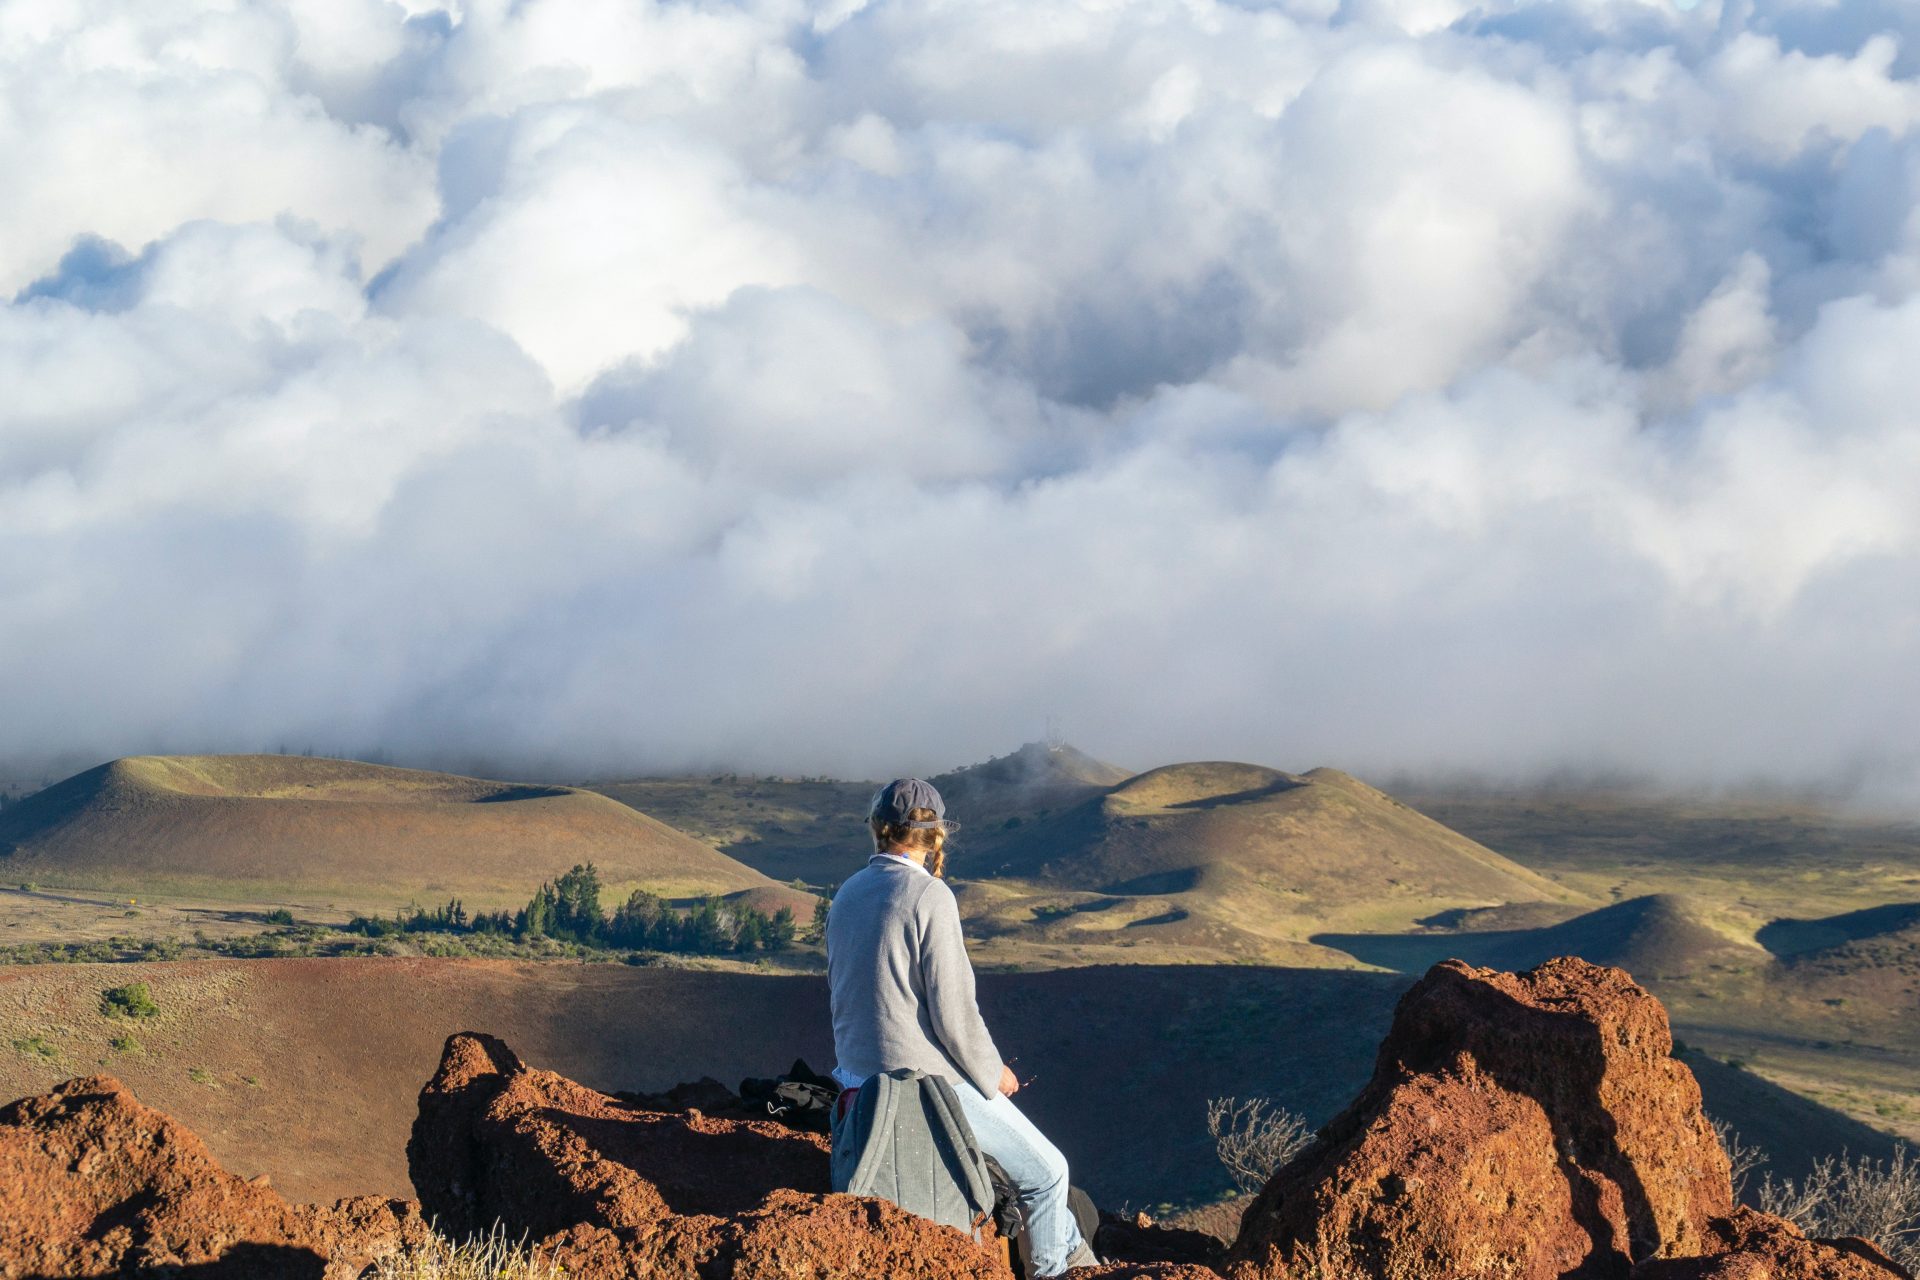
x,y
1009,1085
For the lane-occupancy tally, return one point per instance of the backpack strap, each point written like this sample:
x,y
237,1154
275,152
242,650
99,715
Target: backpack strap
x,y
979,1183
873,1112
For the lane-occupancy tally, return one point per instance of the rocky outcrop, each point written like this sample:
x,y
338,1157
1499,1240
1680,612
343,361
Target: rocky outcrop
x,y
93,1183
613,1189
1753,1246
1519,1127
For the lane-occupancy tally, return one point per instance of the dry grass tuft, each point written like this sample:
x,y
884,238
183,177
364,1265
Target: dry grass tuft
x,y
489,1257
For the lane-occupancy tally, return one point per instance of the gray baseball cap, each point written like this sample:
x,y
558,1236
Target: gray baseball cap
x,y
899,798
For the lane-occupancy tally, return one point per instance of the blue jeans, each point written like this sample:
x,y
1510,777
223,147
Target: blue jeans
x,y
1038,1170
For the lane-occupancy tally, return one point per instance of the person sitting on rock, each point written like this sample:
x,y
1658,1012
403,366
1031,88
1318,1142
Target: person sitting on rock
x,y
903,996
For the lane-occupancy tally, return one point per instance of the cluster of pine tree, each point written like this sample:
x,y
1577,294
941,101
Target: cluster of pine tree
x,y
568,910
451,918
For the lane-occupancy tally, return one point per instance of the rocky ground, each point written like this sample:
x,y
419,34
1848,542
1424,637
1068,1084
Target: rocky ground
x,y
1516,1126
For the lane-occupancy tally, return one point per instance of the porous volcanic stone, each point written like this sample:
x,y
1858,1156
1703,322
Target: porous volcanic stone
x,y
1755,1246
611,1189
94,1183
1517,1127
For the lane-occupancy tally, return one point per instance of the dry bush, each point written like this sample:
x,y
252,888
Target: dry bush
x,y
1874,1199
1743,1156
1254,1138
489,1257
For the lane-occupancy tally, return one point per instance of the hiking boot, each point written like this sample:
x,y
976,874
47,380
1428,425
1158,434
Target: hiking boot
x,y
1083,1256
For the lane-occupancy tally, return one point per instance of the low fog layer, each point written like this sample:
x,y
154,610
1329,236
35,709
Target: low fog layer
x,y
1410,385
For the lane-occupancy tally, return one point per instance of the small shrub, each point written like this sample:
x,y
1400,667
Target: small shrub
x,y
489,1257
1873,1199
36,1047
200,1075
124,1043
135,1000
280,915
1254,1138
1743,1156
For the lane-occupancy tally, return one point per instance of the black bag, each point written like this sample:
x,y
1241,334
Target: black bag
x,y
800,1099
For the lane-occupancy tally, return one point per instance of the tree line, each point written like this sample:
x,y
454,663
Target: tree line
x,y
568,909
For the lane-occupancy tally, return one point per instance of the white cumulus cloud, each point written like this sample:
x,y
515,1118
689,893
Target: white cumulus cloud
x,y
591,385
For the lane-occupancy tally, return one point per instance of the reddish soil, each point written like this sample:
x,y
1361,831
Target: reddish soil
x,y
93,1183
307,1069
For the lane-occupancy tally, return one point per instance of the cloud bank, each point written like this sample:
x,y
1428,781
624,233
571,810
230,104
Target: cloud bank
x,y
593,385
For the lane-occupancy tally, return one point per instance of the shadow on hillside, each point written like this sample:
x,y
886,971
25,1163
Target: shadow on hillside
x,y
1793,1130
1793,937
522,793
1240,797
242,1262
1415,953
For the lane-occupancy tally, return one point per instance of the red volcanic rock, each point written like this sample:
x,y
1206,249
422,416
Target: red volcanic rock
x,y
612,1189
1516,1126
1754,1246
93,1183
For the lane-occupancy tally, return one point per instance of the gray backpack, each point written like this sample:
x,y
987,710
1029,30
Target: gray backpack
x,y
905,1139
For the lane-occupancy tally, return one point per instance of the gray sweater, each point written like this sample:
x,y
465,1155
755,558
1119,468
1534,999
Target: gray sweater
x,y
901,982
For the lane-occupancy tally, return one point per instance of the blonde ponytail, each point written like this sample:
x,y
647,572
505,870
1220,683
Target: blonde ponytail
x,y
898,837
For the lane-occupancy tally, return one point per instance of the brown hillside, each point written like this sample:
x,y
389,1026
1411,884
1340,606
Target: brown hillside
x,y
1238,858
1659,936
236,825
1038,776
300,1068
1323,837
1868,959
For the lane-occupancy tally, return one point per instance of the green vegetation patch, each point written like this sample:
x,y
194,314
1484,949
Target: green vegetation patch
x,y
113,950
36,1047
135,1000
567,912
124,1043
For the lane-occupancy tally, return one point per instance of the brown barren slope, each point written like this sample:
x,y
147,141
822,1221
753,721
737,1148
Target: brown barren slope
x,y
309,1069
1235,859
248,825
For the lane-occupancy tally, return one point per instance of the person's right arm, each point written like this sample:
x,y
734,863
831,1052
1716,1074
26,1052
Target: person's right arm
x,y
947,977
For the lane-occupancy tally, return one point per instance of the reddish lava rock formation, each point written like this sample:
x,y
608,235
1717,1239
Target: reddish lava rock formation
x,y
612,1190
1754,1246
1530,1127
1524,1127
93,1183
